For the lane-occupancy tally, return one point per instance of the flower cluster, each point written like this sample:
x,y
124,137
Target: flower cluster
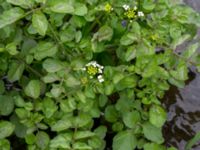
x,y
94,70
108,8
132,13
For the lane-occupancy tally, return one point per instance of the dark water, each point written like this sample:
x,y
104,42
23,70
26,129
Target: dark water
x,y
183,106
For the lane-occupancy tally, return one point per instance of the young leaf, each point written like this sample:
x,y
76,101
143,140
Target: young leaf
x,y
40,23
10,16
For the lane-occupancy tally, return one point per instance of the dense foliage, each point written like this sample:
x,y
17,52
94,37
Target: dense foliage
x,y
90,74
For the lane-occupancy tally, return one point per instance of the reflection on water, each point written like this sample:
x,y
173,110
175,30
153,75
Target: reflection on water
x,y
183,106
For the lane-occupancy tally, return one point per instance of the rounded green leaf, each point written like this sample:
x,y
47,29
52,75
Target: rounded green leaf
x,y
6,129
52,65
6,105
49,107
33,89
40,23
153,133
80,9
124,140
42,140
4,144
130,119
111,114
157,115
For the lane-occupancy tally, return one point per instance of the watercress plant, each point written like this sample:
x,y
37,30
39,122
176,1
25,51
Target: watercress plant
x,y
90,74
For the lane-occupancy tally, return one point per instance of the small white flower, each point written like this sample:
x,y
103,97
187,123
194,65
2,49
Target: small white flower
x,y
83,69
126,7
140,14
100,78
100,71
135,8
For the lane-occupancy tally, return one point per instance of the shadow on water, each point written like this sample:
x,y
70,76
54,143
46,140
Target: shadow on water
x,y
183,107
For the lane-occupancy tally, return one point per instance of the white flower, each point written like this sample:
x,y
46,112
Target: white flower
x,y
140,14
135,8
100,78
126,7
83,69
100,70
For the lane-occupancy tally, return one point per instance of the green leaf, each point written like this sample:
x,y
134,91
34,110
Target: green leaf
x,y
192,141
10,16
157,116
80,9
190,51
82,120
127,82
6,105
30,138
128,39
101,131
49,107
42,140
40,23
68,105
4,144
22,3
61,6
148,5
15,71
61,141
2,87
52,65
130,119
44,49
12,48
81,146
61,125
83,134
181,73
105,33
124,140
33,89
6,129
111,114
153,146
152,133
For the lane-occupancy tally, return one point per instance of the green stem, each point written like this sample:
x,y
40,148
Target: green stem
x,y
30,68
57,39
